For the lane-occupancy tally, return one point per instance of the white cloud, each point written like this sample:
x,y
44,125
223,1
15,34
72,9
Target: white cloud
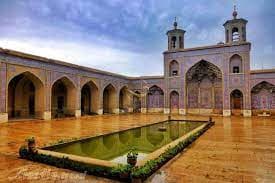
x,y
87,54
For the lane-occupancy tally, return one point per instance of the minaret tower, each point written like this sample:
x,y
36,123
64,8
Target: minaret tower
x,y
235,29
175,37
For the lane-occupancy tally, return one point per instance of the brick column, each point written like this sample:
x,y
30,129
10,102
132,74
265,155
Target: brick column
x,y
47,96
3,93
78,98
226,92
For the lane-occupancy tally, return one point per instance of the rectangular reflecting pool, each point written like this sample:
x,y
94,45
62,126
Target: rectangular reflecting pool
x,y
115,146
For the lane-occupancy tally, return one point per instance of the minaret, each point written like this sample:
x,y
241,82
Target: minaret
x,y
235,29
175,37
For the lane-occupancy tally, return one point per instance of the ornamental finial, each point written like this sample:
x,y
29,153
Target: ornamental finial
x,y
235,13
175,23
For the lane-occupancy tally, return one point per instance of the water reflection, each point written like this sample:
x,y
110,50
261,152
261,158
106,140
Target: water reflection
x,y
145,139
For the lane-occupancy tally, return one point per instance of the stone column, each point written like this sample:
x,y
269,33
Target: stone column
x,y
3,93
100,101
213,97
199,98
166,109
116,103
47,96
78,98
130,104
226,94
247,93
183,97
144,102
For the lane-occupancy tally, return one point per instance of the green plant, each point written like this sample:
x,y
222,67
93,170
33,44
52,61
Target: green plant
x,y
132,153
151,166
30,140
121,172
120,169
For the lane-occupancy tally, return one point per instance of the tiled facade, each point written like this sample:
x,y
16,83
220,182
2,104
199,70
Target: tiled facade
x,y
205,80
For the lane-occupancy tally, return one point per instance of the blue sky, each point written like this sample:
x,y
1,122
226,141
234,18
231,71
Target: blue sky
x,y
128,37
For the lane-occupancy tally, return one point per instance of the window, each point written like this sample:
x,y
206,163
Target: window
x,y
174,39
236,69
235,34
235,64
173,68
174,73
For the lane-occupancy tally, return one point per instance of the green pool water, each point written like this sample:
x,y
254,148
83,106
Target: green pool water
x,y
115,146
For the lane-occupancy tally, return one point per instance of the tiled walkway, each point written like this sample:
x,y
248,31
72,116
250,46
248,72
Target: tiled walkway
x,y
234,150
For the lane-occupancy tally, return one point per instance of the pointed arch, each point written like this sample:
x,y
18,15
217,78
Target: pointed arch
x,y
155,99
263,98
64,98
109,99
65,78
204,90
236,100
236,64
174,101
173,68
25,96
89,98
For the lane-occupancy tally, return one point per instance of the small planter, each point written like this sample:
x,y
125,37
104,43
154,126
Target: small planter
x,y
132,157
31,145
132,161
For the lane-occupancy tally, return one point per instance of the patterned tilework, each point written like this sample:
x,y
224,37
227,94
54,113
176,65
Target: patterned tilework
x,y
3,80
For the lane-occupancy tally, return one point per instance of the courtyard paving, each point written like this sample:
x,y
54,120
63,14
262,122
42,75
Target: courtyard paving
x,y
236,149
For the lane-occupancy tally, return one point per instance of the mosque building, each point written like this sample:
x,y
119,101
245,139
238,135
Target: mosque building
x,y
208,80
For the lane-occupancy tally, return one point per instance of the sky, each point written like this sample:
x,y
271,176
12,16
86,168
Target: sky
x,y
129,37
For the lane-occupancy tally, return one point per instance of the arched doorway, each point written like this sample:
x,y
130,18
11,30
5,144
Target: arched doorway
x,y
124,100
174,102
109,99
263,98
137,102
25,97
89,99
63,98
236,98
204,89
155,99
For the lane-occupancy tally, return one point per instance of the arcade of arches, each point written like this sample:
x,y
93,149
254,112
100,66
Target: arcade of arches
x,y
203,95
